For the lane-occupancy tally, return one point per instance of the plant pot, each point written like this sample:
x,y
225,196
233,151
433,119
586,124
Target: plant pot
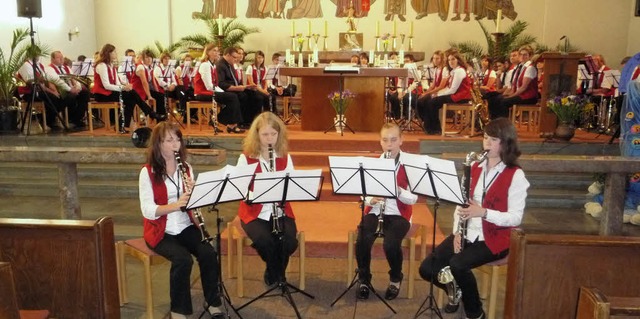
x,y
564,132
340,122
9,122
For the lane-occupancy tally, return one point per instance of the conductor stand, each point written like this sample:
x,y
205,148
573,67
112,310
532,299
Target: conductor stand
x,y
282,187
36,89
366,177
427,175
340,122
212,188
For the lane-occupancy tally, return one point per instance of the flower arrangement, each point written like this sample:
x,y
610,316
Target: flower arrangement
x,y
569,108
341,102
300,41
385,41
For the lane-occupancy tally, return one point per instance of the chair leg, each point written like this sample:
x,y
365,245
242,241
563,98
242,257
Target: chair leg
x,y
302,253
484,292
230,241
239,267
443,119
412,267
350,250
188,117
493,295
149,290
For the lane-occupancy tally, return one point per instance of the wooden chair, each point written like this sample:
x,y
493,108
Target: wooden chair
x,y
37,108
8,298
138,249
415,233
533,116
593,304
490,275
467,111
287,109
238,238
105,116
202,114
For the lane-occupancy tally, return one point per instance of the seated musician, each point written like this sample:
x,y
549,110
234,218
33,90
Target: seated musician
x,y
458,90
185,73
488,76
437,73
256,74
46,91
524,86
411,99
504,85
496,202
76,98
278,85
205,87
145,84
166,81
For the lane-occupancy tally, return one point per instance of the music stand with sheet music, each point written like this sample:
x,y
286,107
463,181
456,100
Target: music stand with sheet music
x,y
272,73
212,188
436,178
364,176
168,75
281,187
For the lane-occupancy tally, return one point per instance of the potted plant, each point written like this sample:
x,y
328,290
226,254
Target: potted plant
x,y
234,33
9,65
569,109
340,101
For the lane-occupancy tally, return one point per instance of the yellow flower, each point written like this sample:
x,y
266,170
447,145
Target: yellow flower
x,y
565,101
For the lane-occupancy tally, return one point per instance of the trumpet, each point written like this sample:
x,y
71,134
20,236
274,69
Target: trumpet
x,y
383,204
274,213
206,238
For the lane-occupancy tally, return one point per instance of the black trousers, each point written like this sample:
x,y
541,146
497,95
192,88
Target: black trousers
x,y
395,228
499,106
473,255
159,97
251,104
269,247
178,249
51,102
431,118
77,105
130,100
290,90
230,112
394,100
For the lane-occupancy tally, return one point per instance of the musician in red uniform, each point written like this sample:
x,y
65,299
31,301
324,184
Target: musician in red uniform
x,y
76,98
206,88
394,99
170,231
145,84
258,220
396,219
437,73
458,90
524,85
107,88
278,85
256,74
498,192
166,81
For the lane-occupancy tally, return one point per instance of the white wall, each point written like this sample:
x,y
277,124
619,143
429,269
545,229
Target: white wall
x,y
633,46
58,17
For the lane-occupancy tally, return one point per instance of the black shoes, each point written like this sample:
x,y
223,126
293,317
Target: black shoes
x,y
362,292
235,130
123,131
158,117
392,292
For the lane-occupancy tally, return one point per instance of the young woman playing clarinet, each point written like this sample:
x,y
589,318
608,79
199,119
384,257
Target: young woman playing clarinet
x,y
496,201
107,88
165,184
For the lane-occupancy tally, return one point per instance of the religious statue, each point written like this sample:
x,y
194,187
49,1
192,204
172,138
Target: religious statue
x,y
361,7
395,7
351,18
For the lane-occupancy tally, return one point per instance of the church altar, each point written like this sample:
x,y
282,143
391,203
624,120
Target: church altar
x,y
345,56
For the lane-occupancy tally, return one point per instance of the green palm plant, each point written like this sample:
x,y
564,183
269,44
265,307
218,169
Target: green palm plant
x,y
513,38
234,32
158,48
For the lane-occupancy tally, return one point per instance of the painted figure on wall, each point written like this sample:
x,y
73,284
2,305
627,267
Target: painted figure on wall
x,y
206,12
305,9
271,8
395,7
226,8
361,7
425,7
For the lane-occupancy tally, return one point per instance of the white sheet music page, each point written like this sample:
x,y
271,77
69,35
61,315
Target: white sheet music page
x,y
379,176
209,185
445,177
302,185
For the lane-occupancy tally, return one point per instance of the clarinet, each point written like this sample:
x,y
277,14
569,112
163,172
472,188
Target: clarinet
x,y
121,101
274,213
465,184
206,238
383,204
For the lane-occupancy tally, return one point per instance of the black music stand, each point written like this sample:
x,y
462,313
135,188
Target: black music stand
x,y
341,71
281,187
273,73
212,188
363,176
436,178
35,88
411,119
169,74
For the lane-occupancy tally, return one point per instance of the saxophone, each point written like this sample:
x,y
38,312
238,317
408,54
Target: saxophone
x,y
206,238
274,212
383,204
481,107
445,276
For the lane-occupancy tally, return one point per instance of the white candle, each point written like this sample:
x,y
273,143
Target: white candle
x,y
370,56
498,20
401,57
395,28
287,55
219,24
315,55
300,60
309,27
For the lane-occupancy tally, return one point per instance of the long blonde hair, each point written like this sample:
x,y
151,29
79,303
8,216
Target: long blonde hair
x,y
251,143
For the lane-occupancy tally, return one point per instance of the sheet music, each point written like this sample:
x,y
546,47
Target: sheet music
x,y
379,175
209,185
303,185
583,73
445,177
126,65
611,79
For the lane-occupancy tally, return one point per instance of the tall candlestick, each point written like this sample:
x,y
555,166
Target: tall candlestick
x,y
395,28
411,29
325,28
219,24
370,56
377,28
498,18
309,27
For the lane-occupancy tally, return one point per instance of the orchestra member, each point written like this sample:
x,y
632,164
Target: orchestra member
x,y
396,220
167,82
437,74
496,203
257,74
259,220
107,88
278,85
524,85
76,99
169,230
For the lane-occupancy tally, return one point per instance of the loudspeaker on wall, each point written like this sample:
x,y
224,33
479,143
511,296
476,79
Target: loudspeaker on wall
x,y
29,8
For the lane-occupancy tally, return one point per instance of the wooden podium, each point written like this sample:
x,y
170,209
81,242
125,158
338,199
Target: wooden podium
x,y
560,75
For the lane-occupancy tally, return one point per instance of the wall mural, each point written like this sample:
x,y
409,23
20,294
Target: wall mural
x,y
309,9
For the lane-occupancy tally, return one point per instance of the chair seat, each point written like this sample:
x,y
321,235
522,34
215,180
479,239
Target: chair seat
x,y
533,113
490,276
202,112
469,113
106,117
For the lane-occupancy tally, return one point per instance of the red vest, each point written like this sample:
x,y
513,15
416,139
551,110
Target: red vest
x,y
57,69
438,79
485,80
98,88
531,92
136,82
198,84
635,74
401,180
154,229
464,90
249,212
497,198
26,89
259,75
